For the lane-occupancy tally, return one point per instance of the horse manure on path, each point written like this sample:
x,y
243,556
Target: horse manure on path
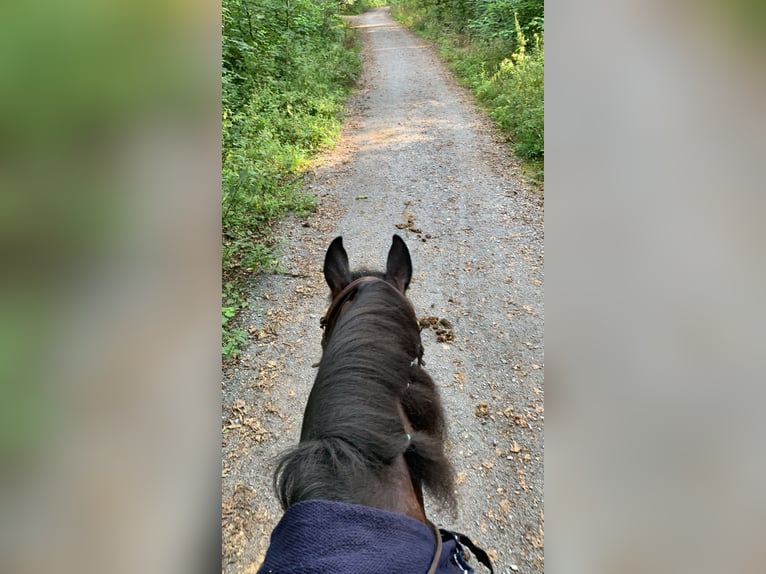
x,y
442,327
409,225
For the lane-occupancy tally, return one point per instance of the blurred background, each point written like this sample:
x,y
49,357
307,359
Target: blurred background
x,y
110,158
109,294
655,132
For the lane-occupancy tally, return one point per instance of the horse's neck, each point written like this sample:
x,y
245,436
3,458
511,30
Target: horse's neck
x,y
401,494
407,495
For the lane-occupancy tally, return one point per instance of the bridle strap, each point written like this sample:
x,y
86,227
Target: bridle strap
x,y
342,296
328,321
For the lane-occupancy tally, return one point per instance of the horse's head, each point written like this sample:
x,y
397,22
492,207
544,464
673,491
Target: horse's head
x,y
344,283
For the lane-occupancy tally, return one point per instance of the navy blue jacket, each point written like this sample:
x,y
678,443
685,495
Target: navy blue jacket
x,y
324,537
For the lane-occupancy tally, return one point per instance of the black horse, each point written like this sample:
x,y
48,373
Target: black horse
x,y
372,439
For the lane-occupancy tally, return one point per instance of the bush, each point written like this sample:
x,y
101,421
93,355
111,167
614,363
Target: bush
x,y
287,68
359,6
486,43
515,95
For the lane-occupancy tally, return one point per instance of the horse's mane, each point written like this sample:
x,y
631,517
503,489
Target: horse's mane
x,y
352,430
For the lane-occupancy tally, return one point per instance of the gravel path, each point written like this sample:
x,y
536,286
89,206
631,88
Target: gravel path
x,y
418,159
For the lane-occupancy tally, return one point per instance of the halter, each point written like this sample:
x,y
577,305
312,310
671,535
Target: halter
x,y
327,323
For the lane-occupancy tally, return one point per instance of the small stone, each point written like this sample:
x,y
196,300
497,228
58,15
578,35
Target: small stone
x,y
514,568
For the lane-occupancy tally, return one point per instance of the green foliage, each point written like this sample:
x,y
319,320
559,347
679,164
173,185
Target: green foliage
x,y
482,20
498,18
487,42
359,6
233,337
287,68
515,96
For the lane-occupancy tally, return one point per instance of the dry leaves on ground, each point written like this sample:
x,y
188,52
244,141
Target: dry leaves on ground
x,y
249,425
238,519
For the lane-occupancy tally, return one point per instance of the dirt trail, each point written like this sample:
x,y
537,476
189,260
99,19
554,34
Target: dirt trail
x,y
415,158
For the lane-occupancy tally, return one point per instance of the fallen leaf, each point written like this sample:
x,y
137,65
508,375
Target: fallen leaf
x,y
239,405
482,410
522,479
518,419
507,412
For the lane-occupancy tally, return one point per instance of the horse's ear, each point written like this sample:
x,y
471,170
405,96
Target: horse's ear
x,y
336,271
399,264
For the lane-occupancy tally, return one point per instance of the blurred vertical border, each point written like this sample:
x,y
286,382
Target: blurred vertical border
x,y
110,158
655,281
